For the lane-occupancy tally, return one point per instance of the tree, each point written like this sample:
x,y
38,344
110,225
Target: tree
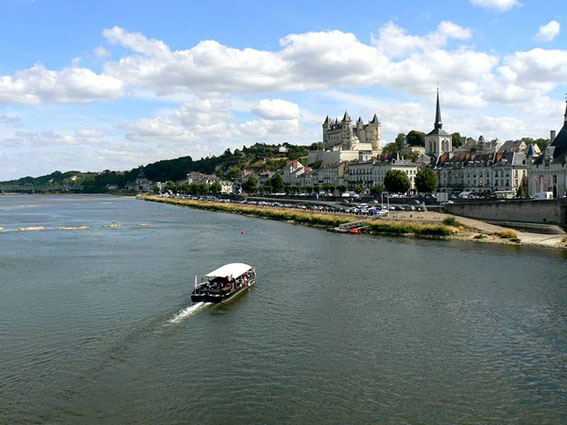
x,y
358,189
341,188
400,141
169,186
456,139
426,180
317,188
155,189
308,189
294,188
215,188
183,188
276,181
377,189
331,188
415,138
250,185
391,148
397,181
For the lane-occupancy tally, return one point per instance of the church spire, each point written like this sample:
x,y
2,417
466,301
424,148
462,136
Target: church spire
x,y
438,124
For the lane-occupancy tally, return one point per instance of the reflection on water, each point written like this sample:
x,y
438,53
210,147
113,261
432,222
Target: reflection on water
x,y
337,330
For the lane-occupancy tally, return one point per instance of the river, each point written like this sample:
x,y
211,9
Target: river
x,y
95,325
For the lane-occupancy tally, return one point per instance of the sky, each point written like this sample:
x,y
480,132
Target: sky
x,y
97,85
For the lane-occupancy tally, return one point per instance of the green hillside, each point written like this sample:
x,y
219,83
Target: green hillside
x,y
257,157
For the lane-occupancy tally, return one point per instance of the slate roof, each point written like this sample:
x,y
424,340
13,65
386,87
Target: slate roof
x,y
559,145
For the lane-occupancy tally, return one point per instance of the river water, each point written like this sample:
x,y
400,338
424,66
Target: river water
x,y
95,325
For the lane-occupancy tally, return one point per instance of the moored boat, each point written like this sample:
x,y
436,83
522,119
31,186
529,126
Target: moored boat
x,y
225,283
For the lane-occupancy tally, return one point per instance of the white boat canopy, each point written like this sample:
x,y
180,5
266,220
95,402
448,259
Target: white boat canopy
x,y
233,269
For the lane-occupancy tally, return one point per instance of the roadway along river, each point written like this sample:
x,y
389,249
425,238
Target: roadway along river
x,y
339,329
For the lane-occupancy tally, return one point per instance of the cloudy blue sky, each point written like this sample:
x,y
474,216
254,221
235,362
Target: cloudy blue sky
x,y
115,84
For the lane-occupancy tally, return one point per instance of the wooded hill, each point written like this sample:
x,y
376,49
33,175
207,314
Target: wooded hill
x,y
257,157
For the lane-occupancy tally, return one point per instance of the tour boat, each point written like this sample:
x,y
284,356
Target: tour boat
x,y
224,284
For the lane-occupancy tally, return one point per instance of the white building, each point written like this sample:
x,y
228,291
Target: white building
x,y
480,172
292,172
370,173
548,171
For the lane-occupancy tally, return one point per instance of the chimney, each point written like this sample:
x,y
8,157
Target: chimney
x,y
551,136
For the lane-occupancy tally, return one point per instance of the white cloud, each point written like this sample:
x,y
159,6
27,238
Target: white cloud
x,y
201,119
276,109
42,138
549,31
396,42
500,5
135,41
53,138
10,120
101,52
38,84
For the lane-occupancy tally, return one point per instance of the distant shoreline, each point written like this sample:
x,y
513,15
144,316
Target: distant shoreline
x,y
413,228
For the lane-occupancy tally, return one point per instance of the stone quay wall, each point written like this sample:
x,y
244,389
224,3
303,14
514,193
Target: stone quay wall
x,y
527,211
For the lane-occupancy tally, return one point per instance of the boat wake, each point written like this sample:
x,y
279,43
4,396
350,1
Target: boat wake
x,y
188,311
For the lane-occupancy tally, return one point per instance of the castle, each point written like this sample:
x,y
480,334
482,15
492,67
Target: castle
x,y
345,141
344,135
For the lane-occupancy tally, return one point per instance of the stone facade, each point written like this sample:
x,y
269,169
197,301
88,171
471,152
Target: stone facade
x,y
370,173
482,173
344,135
548,171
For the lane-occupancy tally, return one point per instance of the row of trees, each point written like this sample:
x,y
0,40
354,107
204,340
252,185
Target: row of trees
x,y
197,189
396,181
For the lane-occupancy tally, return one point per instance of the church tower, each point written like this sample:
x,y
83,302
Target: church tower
x,y
438,141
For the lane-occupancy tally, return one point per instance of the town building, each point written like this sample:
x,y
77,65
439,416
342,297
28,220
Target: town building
x,y
548,170
292,172
333,174
481,172
369,173
196,177
140,184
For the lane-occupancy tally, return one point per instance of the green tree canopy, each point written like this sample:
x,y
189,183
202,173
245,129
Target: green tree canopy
x,y
456,139
415,138
250,185
341,188
169,186
400,141
397,181
377,189
426,180
276,181
215,188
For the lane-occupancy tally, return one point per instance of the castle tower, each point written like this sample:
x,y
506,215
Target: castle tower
x,y
326,127
374,133
438,141
360,132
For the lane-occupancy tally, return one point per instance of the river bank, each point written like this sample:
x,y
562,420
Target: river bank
x,y
421,225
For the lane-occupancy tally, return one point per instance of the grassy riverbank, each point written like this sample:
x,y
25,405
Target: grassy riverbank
x,y
315,219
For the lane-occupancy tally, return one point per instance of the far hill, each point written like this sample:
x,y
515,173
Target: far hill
x,y
258,157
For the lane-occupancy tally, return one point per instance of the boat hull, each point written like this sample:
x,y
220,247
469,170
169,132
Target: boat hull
x,y
221,299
